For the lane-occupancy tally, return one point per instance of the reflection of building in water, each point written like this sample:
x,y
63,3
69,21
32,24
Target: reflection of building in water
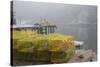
x,y
43,28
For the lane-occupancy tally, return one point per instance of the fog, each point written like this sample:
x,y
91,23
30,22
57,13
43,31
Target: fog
x,y
79,21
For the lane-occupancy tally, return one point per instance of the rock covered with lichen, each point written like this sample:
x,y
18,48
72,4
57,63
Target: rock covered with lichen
x,y
30,46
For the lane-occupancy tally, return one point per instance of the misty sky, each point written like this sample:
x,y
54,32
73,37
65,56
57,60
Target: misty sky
x,y
33,12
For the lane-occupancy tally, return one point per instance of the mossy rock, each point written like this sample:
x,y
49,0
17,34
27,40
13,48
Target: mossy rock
x,y
53,48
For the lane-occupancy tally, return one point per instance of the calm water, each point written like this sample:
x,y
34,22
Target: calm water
x,y
81,32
